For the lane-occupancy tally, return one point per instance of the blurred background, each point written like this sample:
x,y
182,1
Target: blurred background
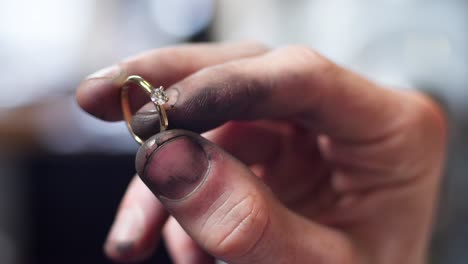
x,y
56,202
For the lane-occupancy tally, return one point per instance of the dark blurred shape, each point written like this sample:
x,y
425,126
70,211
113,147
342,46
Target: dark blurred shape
x,y
73,200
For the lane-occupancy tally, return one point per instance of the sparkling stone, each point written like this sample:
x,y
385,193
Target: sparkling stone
x,y
158,96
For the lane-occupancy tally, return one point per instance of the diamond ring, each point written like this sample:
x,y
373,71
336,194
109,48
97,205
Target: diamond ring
x,y
158,97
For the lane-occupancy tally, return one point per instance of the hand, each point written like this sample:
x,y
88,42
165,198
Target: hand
x,y
349,171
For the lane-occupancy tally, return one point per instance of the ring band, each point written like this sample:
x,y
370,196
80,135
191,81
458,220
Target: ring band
x,y
158,97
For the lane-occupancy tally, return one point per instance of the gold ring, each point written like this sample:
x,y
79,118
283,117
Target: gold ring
x,y
157,96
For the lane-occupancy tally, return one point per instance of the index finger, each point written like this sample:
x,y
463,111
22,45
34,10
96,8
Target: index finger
x,y
99,94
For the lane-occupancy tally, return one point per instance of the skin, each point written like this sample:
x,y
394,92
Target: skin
x,y
301,161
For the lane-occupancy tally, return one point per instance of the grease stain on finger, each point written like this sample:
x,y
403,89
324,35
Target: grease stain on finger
x,y
127,230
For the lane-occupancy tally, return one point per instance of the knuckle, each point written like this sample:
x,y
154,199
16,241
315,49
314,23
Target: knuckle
x,y
307,60
302,50
255,45
429,116
424,125
304,53
233,230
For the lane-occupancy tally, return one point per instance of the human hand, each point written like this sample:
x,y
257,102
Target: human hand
x,y
349,170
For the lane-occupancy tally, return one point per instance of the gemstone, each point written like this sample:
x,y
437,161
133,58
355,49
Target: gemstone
x,y
158,96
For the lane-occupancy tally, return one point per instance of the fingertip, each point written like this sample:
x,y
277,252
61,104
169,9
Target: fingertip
x,y
216,198
145,124
111,251
125,253
125,234
135,233
99,93
120,253
131,238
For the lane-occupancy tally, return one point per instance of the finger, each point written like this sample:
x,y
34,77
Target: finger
x,y
181,246
99,94
136,230
291,82
236,138
226,209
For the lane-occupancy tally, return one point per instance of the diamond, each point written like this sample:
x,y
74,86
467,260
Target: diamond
x,y
158,96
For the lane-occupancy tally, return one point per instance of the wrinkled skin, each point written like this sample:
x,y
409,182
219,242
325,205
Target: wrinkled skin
x,y
349,170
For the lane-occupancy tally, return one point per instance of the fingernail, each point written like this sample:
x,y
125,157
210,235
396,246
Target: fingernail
x,y
175,168
110,72
126,231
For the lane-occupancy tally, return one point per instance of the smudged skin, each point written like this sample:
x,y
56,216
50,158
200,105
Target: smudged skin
x,y
303,161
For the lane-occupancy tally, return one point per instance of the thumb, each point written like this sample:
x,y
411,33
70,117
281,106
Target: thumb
x,y
226,209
